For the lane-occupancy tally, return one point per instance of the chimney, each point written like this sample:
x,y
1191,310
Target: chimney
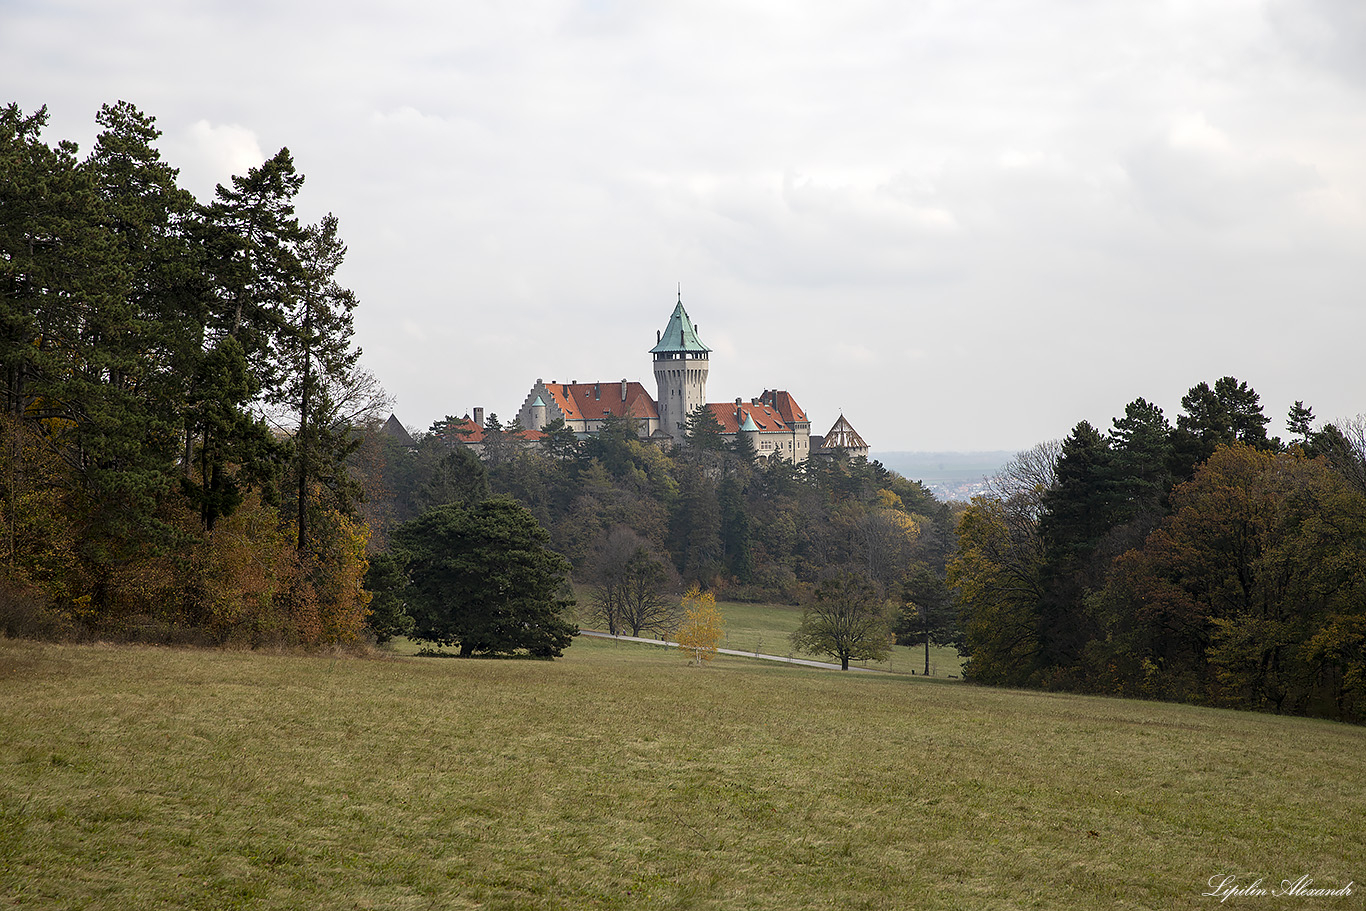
x,y
479,417
597,392
659,336
623,390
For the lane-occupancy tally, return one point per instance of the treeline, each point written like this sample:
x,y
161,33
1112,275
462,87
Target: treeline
x,y
1204,561
180,389
635,520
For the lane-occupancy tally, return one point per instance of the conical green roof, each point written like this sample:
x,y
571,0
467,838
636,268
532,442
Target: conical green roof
x,y
680,335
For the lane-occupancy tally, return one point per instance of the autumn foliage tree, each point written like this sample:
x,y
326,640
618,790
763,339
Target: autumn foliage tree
x,y
702,626
1261,556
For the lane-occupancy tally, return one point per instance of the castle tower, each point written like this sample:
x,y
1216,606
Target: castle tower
x,y
680,372
538,414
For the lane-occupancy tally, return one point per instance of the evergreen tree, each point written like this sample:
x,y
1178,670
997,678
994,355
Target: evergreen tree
x,y
1228,413
559,441
695,526
1300,421
319,356
1141,451
388,615
1079,511
250,236
483,578
453,475
928,616
253,238
736,530
743,448
704,430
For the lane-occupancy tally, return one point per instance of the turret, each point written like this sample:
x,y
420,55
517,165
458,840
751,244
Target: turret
x,y
680,372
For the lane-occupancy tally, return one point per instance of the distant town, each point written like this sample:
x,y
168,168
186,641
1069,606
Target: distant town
x,y
947,475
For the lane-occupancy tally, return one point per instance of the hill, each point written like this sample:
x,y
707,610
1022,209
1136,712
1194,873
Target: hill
x,y
620,777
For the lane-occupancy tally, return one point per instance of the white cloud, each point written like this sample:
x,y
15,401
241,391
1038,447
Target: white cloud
x,y
219,152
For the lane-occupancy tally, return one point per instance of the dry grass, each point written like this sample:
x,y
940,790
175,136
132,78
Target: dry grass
x,y
620,777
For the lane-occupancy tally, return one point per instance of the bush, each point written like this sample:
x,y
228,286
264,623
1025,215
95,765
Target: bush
x,y
26,614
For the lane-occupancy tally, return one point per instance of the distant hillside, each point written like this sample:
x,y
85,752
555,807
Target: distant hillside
x,y
949,475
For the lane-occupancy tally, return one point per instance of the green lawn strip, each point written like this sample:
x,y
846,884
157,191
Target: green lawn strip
x,y
767,629
621,777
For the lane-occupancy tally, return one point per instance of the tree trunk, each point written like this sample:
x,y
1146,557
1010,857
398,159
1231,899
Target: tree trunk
x,y
303,431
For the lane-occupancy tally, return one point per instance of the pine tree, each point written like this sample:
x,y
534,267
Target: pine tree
x,y
483,578
704,430
319,358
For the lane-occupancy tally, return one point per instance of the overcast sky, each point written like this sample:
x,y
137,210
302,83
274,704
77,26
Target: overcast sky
x,y
966,224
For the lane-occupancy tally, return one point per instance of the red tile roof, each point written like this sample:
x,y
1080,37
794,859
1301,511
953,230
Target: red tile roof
x,y
766,418
595,401
469,432
784,404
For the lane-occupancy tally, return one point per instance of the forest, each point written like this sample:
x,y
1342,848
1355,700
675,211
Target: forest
x,y
1203,562
180,391
193,453
639,524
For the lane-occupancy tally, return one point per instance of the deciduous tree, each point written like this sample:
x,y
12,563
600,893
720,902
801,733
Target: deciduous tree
x,y
702,626
847,619
996,573
628,586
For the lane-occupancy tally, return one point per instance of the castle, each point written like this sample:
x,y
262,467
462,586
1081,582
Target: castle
x,y
773,421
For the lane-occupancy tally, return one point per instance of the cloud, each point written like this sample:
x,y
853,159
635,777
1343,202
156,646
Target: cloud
x,y
1326,34
1196,173
213,154
1022,213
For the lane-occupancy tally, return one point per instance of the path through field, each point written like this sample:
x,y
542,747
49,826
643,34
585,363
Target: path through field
x,y
730,651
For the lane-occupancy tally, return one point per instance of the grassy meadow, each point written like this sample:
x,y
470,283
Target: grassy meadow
x,y
621,777
767,629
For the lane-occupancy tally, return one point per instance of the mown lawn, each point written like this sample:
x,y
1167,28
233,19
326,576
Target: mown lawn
x,y
621,777
767,629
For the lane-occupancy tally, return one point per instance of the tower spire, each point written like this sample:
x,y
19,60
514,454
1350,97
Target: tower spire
x,y
680,370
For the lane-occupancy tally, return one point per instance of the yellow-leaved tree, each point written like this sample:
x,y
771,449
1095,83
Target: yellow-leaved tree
x,y
702,625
